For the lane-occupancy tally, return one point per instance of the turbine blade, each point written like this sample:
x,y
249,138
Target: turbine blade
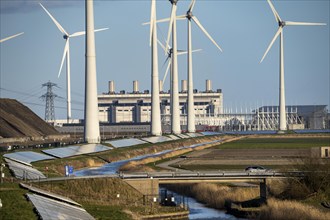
x,y
170,26
166,72
277,16
293,23
205,32
101,29
78,34
166,60
181,17
66,48
54,20
160,43
192,4
84,32
10,37
158,21
180,52
272,42
197,50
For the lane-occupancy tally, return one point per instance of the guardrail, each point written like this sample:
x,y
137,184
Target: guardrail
x,y
187,175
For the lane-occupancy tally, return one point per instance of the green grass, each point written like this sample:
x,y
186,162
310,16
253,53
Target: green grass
x,y
276,143
106,212
15,204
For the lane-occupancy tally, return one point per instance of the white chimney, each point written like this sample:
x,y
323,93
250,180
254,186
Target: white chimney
x,y
208,85
111,87
183,85
135,86
160,85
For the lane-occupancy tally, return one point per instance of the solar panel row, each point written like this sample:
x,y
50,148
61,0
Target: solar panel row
x,y
76,150
22,171
159,139
52,209
125,142
27,157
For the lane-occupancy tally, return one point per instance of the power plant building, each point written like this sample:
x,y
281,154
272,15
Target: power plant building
x,y
135,106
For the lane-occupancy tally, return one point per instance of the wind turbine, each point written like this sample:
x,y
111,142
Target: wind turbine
x,y
155,104
168,57
10,37
175,105
66,55
191,111
282,24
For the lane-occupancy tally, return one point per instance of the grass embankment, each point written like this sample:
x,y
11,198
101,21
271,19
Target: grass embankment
x,y
278,142
141,165
56,167
14,203
99,198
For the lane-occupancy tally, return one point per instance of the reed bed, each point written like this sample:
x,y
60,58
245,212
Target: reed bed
x,y
291,210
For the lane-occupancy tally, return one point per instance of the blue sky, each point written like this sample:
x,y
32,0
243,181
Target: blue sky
x,y
242,28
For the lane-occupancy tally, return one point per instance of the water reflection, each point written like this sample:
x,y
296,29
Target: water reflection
x,y
200,211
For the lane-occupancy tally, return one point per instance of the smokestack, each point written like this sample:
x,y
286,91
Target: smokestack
x,y
183,86
208,85
111,87
135,86
160,85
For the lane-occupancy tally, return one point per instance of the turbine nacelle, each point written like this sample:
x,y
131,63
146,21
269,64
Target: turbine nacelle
x,y
174,2
281,23
65,37
189,15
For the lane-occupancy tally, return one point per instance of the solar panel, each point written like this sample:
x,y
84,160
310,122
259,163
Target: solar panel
x,y
159,139
52,209
194,134
49,194
125,142
22,171
71,151
311,131
251,132
173,137
27,157
183,136
209,133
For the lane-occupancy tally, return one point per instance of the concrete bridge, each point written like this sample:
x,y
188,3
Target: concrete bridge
x,y
148,182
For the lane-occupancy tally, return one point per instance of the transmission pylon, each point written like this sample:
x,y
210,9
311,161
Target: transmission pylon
x,y
49,96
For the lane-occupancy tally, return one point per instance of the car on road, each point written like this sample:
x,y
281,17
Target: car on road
x,y
254,169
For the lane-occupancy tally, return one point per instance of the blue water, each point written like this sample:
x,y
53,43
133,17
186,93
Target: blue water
x,y
200,211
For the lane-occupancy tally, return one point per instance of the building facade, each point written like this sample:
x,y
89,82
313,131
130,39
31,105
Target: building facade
x,y
135,106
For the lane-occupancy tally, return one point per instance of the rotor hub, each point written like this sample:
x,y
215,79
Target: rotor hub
x,y
65,37
189,15
281,23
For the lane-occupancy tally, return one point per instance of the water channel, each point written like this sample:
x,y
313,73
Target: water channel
x,y
197,210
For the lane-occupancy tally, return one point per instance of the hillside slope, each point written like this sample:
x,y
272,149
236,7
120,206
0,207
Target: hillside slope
x,y
17,120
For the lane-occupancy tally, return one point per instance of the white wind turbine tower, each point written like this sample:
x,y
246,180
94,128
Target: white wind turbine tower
x,y
189,16
175,105
155,103
10,37
282,24
92,127
66,55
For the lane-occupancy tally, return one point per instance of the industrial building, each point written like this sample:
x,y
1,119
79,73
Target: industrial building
x,y
135,106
